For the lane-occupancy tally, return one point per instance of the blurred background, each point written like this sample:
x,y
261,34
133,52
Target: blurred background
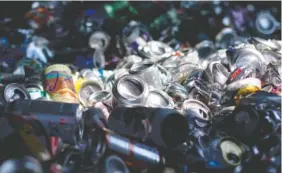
x,y
69,24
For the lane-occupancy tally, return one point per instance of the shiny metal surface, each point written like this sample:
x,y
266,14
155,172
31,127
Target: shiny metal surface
x,y
128,61
244,82
246,55
155,50
115,164
130,90
15,91
99,40
158,98
98,96
192,107
216,73
148,72
136,150
87,89
177,92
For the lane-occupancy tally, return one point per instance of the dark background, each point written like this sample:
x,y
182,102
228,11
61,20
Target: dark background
x,y
17,9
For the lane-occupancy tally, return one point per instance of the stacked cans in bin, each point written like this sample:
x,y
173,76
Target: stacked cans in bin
x,y
166,107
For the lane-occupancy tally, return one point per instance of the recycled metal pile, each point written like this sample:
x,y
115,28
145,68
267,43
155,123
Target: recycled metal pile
x,y
109,90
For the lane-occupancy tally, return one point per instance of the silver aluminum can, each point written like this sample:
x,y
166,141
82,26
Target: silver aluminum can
x,y
216,73
15,91
158,98
102,95
128,61
114,163
197,112
87,89
155,50
177,92
130,90
246,55
148,72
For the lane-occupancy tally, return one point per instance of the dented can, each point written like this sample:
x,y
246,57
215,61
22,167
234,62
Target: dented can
x,y
59,84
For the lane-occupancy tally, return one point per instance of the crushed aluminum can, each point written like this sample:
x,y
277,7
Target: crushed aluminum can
x,y
88,88
166,76
197,113
128,61
223,152
246,54
177,92
273,76
238,89
240,73
216,73
149,72
100,96
265,100
158,98
263,44
15,91
193,75
155,51
129,90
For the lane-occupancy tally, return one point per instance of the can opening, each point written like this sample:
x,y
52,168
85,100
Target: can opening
x,y
100,95
19,93
115,164
130,88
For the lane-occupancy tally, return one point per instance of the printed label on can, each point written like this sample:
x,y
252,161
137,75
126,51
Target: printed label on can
x,y
60,86
35,93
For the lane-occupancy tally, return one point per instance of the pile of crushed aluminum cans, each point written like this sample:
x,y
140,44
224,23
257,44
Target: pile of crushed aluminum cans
x,y
165,106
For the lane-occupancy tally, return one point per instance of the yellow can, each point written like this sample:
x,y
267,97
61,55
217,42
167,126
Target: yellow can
x,y
244,92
